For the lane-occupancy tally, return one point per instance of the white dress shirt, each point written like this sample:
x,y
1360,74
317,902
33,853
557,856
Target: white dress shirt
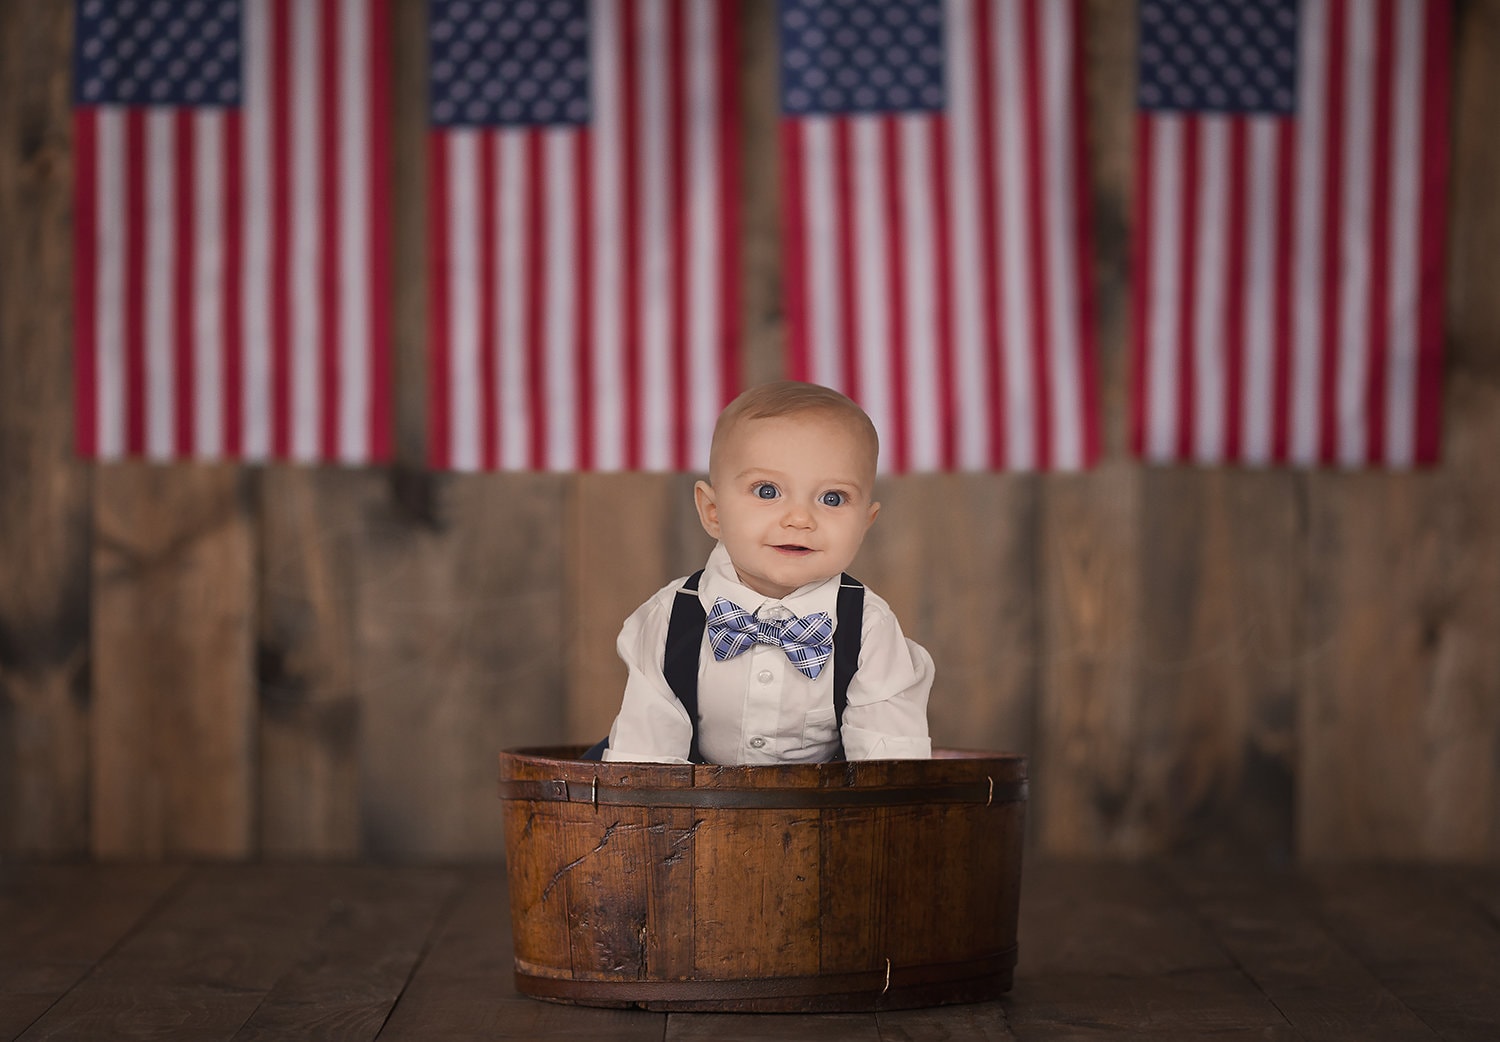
x,y
758,707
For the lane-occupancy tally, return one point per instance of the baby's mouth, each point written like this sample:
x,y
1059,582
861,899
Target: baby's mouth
x,y
792,548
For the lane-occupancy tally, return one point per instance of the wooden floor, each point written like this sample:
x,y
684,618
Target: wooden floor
x,y
322,952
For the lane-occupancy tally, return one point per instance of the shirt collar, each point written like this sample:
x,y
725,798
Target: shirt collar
x,y
720,580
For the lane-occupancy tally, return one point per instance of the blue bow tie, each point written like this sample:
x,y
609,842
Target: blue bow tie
x,y
807,641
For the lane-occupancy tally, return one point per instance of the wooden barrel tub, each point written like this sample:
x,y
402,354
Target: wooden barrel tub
x,y
881,884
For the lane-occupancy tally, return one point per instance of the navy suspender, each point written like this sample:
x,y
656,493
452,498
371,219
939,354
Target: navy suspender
x,y
685,637
851,621
679,663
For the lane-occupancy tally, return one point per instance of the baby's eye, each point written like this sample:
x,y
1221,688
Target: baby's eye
x,y
765,490
833,499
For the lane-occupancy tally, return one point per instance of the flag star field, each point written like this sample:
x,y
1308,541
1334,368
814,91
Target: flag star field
x,y
1210,56
516,64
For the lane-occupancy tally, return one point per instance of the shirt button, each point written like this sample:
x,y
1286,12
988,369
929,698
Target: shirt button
x,y
765,676
757,742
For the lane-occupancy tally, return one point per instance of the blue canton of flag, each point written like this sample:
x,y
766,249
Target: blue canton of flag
x,y
509,64
152,52
860,57
1210,56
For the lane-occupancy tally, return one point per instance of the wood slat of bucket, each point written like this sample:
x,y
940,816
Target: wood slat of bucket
x,y
846,886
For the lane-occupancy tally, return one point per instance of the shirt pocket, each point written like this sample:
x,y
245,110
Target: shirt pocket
x,y
818,726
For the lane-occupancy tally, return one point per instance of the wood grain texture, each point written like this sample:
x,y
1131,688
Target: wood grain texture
x,y
1162,951
628,535
953,555
743,1027
57,922
1221,570
1270,925
356,964
976,1022
44,489
458,637
173,728
312,530
464,991
203,963
1397,923
1129,960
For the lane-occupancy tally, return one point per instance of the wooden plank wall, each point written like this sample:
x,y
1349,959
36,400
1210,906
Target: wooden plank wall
x,y
285,662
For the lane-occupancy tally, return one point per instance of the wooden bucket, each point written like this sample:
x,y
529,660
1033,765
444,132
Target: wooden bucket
x,y
880,884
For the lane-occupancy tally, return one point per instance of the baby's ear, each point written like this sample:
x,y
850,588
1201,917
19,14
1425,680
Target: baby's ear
x,y
870,520
708,510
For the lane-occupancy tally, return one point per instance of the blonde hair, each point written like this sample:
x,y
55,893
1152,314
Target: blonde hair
x,y
789,398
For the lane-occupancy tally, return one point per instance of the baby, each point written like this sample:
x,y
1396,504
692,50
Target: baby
x,y
771,653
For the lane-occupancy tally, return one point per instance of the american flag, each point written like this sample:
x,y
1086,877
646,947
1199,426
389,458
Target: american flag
x,y
583,220
231,258
1290,212
936,219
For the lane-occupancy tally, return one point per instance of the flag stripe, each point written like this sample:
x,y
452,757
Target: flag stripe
x,y
1287,153
609,394
185,266
843,209
1040,247
1142,264
488,378
630,135
678,228
1433,162
204,296
992,347
282,228
533,196
1022,407
86,281
440,445
970,292
942,455
583,361
1233,379
796,242
894,248
260,325
719,141
1377,350
1186,288
135,282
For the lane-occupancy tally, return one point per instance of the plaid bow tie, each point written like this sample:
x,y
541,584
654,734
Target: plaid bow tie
x,y
807,641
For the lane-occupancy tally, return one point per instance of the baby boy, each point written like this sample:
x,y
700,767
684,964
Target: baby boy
x,y
771,653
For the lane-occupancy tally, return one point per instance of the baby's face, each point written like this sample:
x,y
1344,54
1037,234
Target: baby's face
x,y
791,500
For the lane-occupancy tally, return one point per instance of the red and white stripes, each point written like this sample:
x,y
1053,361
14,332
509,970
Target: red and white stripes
x,y
231,265
1288,287
937,265
584,304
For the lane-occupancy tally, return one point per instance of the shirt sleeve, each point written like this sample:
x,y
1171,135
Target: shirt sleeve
x,y
886,718
652,725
